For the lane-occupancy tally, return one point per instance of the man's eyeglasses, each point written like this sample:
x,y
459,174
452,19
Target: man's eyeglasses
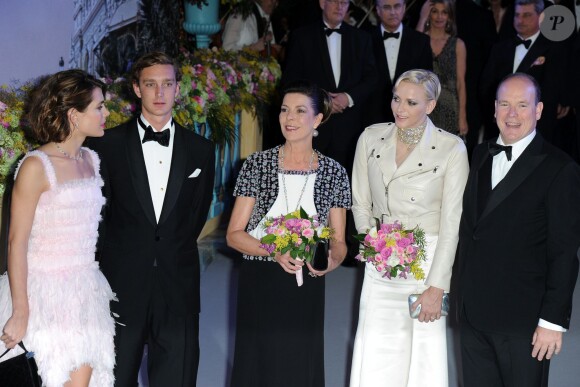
x,y
342,3
388,8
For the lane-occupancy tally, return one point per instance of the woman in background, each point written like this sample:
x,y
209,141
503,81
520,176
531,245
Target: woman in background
x,y
449,58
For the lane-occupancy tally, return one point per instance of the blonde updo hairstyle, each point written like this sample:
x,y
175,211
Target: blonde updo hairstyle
x,y
425,78
55,96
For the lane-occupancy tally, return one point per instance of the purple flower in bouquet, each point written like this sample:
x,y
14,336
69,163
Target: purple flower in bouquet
x,y
296,233
393,250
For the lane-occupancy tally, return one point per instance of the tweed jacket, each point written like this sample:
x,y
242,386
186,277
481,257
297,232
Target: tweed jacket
x,y
258,179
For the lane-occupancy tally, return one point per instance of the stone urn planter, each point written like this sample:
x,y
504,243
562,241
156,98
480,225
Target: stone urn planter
x,y
201,20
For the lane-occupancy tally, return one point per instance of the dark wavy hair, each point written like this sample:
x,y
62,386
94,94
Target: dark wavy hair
x,y
319,99
51,101
152,59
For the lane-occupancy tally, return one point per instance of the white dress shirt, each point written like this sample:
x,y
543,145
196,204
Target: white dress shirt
x,y
521,50
500,167
392,50
334,42
240,32
158,164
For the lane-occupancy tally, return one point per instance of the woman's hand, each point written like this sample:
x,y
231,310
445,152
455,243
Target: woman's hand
x,y
14,330
333,263
430,302
463,128
424,15
289,264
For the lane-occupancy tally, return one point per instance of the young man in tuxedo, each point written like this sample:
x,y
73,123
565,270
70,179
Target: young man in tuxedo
x,y
532,53
518,243
158,184
397,49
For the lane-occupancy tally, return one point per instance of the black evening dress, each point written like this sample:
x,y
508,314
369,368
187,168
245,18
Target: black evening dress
x,y
280,326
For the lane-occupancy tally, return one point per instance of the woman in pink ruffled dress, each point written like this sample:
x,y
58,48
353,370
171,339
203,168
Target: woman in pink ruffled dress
x,y
54,298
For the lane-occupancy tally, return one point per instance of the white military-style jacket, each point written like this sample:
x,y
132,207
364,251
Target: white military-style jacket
x,y
425,190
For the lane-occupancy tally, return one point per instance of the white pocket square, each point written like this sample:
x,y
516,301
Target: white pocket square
x,y
195,173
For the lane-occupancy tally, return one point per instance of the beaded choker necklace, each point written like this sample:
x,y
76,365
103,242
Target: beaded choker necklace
x,y
281,161
411,136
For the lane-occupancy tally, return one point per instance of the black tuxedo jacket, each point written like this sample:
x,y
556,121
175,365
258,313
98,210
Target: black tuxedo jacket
x,y
307,58
414,53
518,243
550,75
133,247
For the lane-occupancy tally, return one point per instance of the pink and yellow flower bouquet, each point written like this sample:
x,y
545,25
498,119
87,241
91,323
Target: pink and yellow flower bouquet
x,y
393,250
296,233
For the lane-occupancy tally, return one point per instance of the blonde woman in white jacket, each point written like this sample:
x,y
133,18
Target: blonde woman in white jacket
x,y
413,172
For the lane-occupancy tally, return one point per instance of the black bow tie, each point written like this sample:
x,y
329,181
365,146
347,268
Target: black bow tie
x,y
495,149
527,43
387,35
329,31
162,138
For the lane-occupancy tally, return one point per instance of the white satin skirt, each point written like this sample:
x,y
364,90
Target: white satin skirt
x,y
391,349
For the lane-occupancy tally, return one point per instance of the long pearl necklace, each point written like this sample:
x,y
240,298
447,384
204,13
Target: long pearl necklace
x,y
75,158
284,179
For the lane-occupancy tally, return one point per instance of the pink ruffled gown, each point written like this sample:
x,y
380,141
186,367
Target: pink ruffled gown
x,y
70,323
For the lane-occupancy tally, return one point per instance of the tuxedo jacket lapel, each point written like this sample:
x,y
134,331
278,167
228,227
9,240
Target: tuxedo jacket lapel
x,y
521,170
483,185
177,173
138,171
402,58
346,55
381,59
536,50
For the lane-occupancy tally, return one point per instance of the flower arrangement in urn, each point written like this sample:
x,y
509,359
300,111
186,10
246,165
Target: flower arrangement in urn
x,y
216,84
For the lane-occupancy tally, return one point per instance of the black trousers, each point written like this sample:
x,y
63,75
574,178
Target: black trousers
x,y
172,342
496,360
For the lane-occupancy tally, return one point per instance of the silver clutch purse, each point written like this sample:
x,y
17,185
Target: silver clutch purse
x,y
415,313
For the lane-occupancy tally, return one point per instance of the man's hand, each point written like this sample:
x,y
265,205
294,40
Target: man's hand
x,y
547,343
260,45
339,102
562,111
